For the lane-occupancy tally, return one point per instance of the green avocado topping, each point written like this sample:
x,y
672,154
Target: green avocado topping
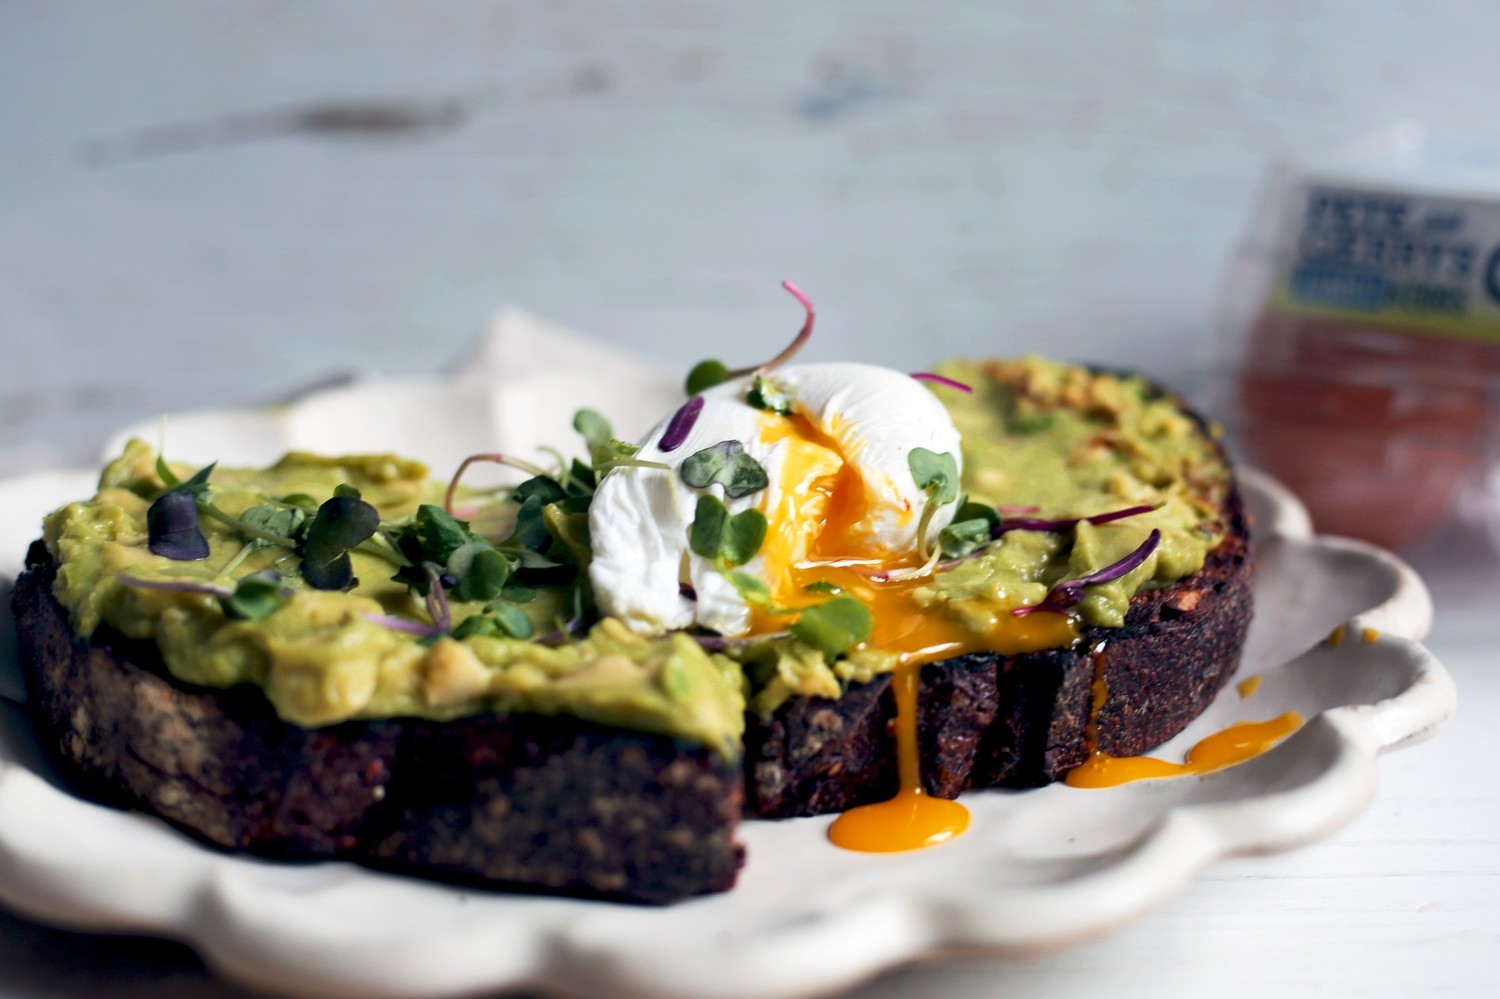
x,y
345,588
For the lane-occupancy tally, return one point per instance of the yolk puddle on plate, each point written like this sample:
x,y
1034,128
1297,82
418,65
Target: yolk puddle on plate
x,y
1235,744
1370,635
813,537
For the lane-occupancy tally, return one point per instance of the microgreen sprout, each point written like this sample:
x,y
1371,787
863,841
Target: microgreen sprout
x,y
1069,592
499,459
341,524
937,475
1068,523
722,538
722,643
437,600
953,383
727,464
172,528
834,627
707,374
251,599
976,526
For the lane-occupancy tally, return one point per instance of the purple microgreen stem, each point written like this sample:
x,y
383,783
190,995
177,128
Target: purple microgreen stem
x,y
437,600
561,634
797,343
953,383
202,588
1067,523
1070,591
681,424
239,525
719,643
499,459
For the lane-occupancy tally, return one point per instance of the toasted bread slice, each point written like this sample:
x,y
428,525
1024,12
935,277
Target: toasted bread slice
x,y
526,802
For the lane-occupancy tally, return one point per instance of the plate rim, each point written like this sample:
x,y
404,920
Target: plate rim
x,y
213,907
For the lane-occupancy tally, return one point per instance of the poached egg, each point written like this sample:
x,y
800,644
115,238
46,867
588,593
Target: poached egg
x,y
841,503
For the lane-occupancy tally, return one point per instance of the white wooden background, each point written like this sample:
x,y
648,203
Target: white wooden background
x,y
210,203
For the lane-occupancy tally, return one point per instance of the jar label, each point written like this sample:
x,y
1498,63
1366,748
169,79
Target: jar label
x,y
1424,263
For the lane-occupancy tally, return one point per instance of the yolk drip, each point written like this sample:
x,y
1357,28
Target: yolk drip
x,y
1248,686
1235,744
820,533
912,819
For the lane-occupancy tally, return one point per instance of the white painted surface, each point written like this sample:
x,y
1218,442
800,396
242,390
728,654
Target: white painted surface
x,y
985,178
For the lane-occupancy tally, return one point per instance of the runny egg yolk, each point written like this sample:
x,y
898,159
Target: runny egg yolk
x,y
821,531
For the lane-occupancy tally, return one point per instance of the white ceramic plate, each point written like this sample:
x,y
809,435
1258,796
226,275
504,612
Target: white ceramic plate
x,y
1037,869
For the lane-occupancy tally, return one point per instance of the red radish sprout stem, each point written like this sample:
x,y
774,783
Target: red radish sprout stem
x,y
928,376
797,341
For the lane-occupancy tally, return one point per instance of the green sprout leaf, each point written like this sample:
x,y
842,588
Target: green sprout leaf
x,y
485,576
595,429
710,518
764,395
964,537
439,533
256,596
972,529
499,620
727,464
705,375
168,478
743,536
835,627
823,586
341,523
546,489
269,518
346,490
935,473
720,537
753,590
531,527
511,619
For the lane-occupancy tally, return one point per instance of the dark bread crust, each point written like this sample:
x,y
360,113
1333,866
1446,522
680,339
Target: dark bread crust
x,y
524,802
1018,721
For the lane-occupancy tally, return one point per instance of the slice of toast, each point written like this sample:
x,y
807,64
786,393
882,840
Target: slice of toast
x,y
1018,721
530,802
559,805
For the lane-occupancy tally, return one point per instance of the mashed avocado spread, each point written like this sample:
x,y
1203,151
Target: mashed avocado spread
x,y
1056,440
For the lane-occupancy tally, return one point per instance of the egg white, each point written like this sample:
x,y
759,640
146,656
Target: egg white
x,y
639,519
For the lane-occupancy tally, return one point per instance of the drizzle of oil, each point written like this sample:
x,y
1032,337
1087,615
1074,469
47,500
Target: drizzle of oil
x,y
1336,637
1248,686
1370,635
